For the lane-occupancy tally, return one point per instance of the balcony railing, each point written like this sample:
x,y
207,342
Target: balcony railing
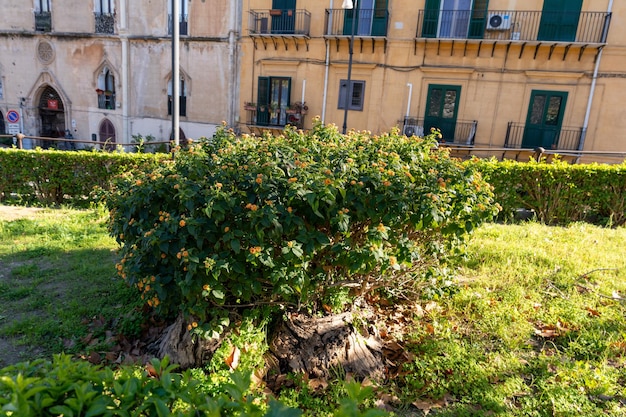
x,y
43,21
565,138
517,25
279,22
105,23
106,101
464,130
370,22
183,28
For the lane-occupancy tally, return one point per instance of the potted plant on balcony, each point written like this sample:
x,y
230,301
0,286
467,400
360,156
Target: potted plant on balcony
x,y
298,107
99,91
249,106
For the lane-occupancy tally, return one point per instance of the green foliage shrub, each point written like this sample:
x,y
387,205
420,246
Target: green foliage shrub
x,y
242,221
49,177
559,193
66,387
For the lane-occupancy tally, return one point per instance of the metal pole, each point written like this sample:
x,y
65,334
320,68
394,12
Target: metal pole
x,y
175,72
348,90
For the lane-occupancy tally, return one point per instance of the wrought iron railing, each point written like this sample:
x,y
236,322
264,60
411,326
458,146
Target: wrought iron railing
x,y
183,24
43,21
106,101
279,22
105,22
566,138
464,130
522,25
370,22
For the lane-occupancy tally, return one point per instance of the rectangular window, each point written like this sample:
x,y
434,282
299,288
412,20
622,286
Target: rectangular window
x,y
104,6
42,6
273,99
183,16
356,95
182,110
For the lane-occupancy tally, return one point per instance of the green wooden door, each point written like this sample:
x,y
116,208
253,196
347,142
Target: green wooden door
x,y
283,16
455,18
371,18
442,106
431,18
545,118
559,20
263,101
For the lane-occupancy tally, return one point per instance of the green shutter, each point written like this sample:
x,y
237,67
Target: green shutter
x,y
431,18
263,101
379,23
559,20
478,19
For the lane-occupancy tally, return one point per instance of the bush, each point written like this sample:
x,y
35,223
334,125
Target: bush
x,y
49,177
558,193
242,221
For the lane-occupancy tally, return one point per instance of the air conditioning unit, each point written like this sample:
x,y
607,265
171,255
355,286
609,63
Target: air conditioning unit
x,y
413,130
498,21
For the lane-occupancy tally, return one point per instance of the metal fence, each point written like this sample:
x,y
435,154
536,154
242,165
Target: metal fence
x,y
370,22
567,138
464,130
279,22
522,25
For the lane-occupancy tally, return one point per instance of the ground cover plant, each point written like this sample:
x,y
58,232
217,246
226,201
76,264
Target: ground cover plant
x,y
536,326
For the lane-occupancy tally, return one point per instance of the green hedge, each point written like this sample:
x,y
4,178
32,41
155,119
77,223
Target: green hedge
x,y
50,177
557,192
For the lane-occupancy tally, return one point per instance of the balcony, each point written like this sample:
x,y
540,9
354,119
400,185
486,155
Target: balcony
x,y
105,23
279,22
43,21
106,100
521,136
455,132
183,24
370,22
514,25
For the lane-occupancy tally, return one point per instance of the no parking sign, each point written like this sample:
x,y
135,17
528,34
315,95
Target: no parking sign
x,y
13,116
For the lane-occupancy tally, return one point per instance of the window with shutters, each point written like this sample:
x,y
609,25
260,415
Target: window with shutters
x,y
356,94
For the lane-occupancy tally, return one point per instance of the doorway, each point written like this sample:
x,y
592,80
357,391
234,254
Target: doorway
x,y
51,116
559,20
544,120
442,107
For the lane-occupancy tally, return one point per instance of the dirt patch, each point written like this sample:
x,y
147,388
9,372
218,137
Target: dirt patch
x,y
10,213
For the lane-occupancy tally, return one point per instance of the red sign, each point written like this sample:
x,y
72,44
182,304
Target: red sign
x,y
53,104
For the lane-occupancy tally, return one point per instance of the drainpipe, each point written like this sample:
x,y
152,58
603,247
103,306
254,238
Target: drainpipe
x,y
326,82
408,104
233,87
126,132
327,64
594,80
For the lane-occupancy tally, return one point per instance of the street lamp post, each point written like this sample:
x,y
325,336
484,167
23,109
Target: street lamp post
x,y
347,5
175,72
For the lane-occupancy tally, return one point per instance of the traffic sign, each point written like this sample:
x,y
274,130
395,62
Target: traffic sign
x,y
13,116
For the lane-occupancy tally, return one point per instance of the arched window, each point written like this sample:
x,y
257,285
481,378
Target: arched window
x,y
106,133
106,89
183,97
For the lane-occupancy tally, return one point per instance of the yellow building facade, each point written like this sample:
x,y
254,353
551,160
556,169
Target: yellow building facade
x,y
497,77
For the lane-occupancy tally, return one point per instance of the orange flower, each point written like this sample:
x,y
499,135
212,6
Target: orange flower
x,y
163,256
181,223
327,181
194,324
386,183
259,180
176,186
293,179
218,185
189,327
138,182
289,209
226,229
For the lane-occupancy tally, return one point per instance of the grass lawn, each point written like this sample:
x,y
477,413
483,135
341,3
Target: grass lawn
x,y
536,325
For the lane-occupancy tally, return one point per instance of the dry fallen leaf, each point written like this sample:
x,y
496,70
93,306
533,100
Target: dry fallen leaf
x,y
592,312
233,359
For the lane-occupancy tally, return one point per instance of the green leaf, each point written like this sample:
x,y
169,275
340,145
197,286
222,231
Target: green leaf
x,y
235,245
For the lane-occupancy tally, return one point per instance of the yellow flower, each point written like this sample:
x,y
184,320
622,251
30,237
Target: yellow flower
x,y
293,179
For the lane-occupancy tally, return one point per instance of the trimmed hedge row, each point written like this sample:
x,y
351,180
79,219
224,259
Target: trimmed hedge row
x,y
50,177
558,192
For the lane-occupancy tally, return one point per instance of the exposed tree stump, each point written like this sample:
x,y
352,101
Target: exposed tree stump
x,y
177,343
315,345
